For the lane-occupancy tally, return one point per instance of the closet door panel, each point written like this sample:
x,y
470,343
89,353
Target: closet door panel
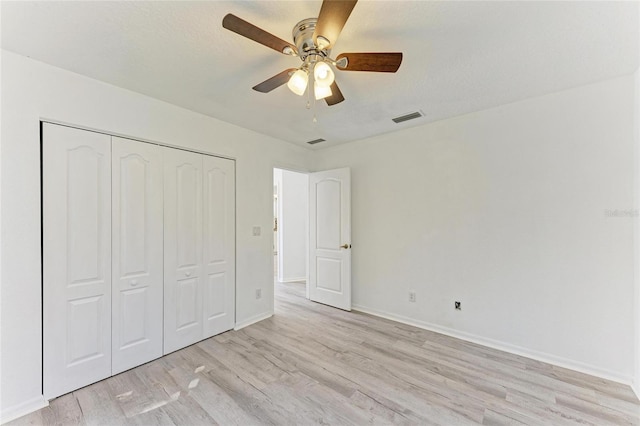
x,y
219,245
137,218
182,249
76,258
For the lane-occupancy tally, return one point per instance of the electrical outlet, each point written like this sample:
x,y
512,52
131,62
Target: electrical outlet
x,y
412,296
258,293
458,305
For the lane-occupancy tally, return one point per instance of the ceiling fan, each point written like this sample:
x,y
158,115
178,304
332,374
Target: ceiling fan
x,y
313,39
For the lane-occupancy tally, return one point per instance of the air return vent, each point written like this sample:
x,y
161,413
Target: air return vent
x,y
315,141
407,117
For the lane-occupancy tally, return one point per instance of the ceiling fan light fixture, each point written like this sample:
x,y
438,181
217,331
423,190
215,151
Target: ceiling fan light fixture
x,y
322,92
323,74
298,82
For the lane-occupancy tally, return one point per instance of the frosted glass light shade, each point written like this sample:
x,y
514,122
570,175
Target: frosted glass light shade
x,y
323,74
298,82
322,92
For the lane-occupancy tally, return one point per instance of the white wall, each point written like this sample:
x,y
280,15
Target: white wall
x,y
504,210
0,228
32,91
636,258
293,216
636,252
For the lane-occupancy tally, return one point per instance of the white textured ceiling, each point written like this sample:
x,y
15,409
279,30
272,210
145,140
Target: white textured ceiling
x,y
459,57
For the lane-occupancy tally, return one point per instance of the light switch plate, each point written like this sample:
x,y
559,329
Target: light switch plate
x,y
256,231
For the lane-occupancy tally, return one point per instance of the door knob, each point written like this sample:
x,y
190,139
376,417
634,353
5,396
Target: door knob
x,y
188,273
345,246
134,282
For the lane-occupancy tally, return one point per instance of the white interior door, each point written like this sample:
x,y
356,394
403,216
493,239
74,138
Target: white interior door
x,y
219,245
183,266
137,253
76,180
330,238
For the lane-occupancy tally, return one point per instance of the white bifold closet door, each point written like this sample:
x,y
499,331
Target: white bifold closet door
x,y
199,247
76,180
137,217
182,248
219,245
138,253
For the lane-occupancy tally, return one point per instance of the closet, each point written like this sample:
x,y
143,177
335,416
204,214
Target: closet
x,y
138,253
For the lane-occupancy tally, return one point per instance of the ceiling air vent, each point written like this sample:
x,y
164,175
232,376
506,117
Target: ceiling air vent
x,y
315,141
407,117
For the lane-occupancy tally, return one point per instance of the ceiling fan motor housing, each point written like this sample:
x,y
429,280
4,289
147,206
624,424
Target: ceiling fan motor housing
x,y
303,39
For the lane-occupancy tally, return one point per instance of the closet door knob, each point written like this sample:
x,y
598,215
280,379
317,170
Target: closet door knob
x,y
134,282
188,273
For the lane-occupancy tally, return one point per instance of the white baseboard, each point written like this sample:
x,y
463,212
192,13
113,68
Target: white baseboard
x,y
23,409
502,346
636,389
252,320
294,280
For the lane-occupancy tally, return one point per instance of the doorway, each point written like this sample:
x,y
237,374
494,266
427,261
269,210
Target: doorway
x,y
290,227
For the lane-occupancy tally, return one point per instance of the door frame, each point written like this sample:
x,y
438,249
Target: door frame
x,y
289,168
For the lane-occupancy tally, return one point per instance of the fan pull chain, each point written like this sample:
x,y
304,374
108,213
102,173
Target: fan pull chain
x,y
315,120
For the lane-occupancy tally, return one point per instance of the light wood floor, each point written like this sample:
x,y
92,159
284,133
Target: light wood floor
x,y
312,364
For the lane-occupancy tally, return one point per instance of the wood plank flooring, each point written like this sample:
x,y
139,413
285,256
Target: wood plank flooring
x,y
312,364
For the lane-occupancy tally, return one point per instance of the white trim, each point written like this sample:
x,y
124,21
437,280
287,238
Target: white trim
x,y
291,167
252,320
133,138
636,389
23,409
294,280
503,346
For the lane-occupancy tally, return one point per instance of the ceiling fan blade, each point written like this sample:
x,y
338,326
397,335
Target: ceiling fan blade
x,y
274,82
336,95
244,28
333,15
377,62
